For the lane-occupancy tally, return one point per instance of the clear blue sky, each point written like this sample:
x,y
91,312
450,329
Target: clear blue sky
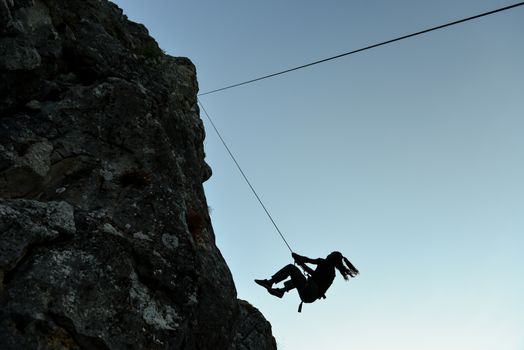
x,y
408,158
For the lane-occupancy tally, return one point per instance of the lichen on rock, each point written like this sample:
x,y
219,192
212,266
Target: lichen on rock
x,y
106,240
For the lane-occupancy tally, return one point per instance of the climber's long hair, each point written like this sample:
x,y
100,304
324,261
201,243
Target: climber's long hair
x,y
343,265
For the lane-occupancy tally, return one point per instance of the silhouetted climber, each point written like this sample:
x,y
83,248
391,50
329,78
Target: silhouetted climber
x,y
315,286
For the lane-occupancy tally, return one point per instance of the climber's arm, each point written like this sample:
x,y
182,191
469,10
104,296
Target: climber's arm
x,y
306,268
299,259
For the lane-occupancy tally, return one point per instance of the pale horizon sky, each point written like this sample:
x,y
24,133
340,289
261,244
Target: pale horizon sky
x,y
408,158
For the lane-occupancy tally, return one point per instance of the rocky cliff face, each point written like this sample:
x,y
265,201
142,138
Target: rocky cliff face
x,y
106,241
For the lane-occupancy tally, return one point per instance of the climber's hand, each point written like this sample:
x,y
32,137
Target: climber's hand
x,y
297,258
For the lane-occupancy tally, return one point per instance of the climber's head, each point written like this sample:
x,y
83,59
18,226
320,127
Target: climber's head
x,y
343,265
335,258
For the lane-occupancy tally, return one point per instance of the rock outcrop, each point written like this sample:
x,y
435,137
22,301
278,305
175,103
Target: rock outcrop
x,y
106,241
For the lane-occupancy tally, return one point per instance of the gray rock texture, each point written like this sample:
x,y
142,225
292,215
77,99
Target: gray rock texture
x,y
105,236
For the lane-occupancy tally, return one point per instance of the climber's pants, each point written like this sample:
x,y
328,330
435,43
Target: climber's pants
x,y
307,288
